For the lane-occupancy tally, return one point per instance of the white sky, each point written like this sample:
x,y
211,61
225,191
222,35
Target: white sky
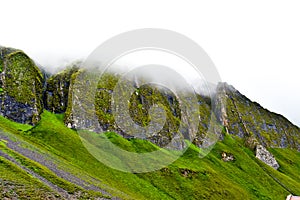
x,y
254,44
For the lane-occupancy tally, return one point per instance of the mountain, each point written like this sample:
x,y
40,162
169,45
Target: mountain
x,y
43,157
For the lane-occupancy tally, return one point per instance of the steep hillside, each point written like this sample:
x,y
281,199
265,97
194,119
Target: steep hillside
x,y
43,157
55,153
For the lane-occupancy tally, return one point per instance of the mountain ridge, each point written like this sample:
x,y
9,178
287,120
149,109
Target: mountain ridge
x,y
253,141
234,111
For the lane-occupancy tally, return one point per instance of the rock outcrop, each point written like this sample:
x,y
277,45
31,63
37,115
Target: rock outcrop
x,y
264,155
80,112
250,121
21,87
57,89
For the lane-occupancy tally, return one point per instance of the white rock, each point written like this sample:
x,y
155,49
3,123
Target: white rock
x,y
264,155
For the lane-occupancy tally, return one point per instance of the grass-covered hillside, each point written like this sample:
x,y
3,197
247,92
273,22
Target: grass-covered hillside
x,y
42,156
50,161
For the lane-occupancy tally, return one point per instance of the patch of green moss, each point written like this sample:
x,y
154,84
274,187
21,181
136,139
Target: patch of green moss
x,y
23,78
23,81
4,51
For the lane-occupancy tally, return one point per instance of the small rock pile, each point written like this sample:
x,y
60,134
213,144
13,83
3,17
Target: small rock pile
x,y
264,155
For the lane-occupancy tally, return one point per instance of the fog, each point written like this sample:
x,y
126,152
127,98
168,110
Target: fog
x,y
255,45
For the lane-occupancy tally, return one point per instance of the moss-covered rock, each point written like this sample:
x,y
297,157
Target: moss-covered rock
x,y
236,114
249,120
81,112
57,89
139,104
21,83
70,120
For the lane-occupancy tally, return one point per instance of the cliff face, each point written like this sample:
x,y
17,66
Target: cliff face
x,y
246,119
21,87
139,106
57,89
23,91
78,114
236,113
140,103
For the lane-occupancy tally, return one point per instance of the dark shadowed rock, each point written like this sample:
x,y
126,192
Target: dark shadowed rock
x,y
57,89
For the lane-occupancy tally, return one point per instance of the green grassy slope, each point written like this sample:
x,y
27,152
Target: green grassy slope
x,y
14,182
188,178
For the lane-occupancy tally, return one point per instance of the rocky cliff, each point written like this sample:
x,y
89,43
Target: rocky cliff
x,y
246,119
24,93
21,87
57,89
236,113
140,103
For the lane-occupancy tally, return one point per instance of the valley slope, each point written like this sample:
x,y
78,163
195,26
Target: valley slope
x,y
43,157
